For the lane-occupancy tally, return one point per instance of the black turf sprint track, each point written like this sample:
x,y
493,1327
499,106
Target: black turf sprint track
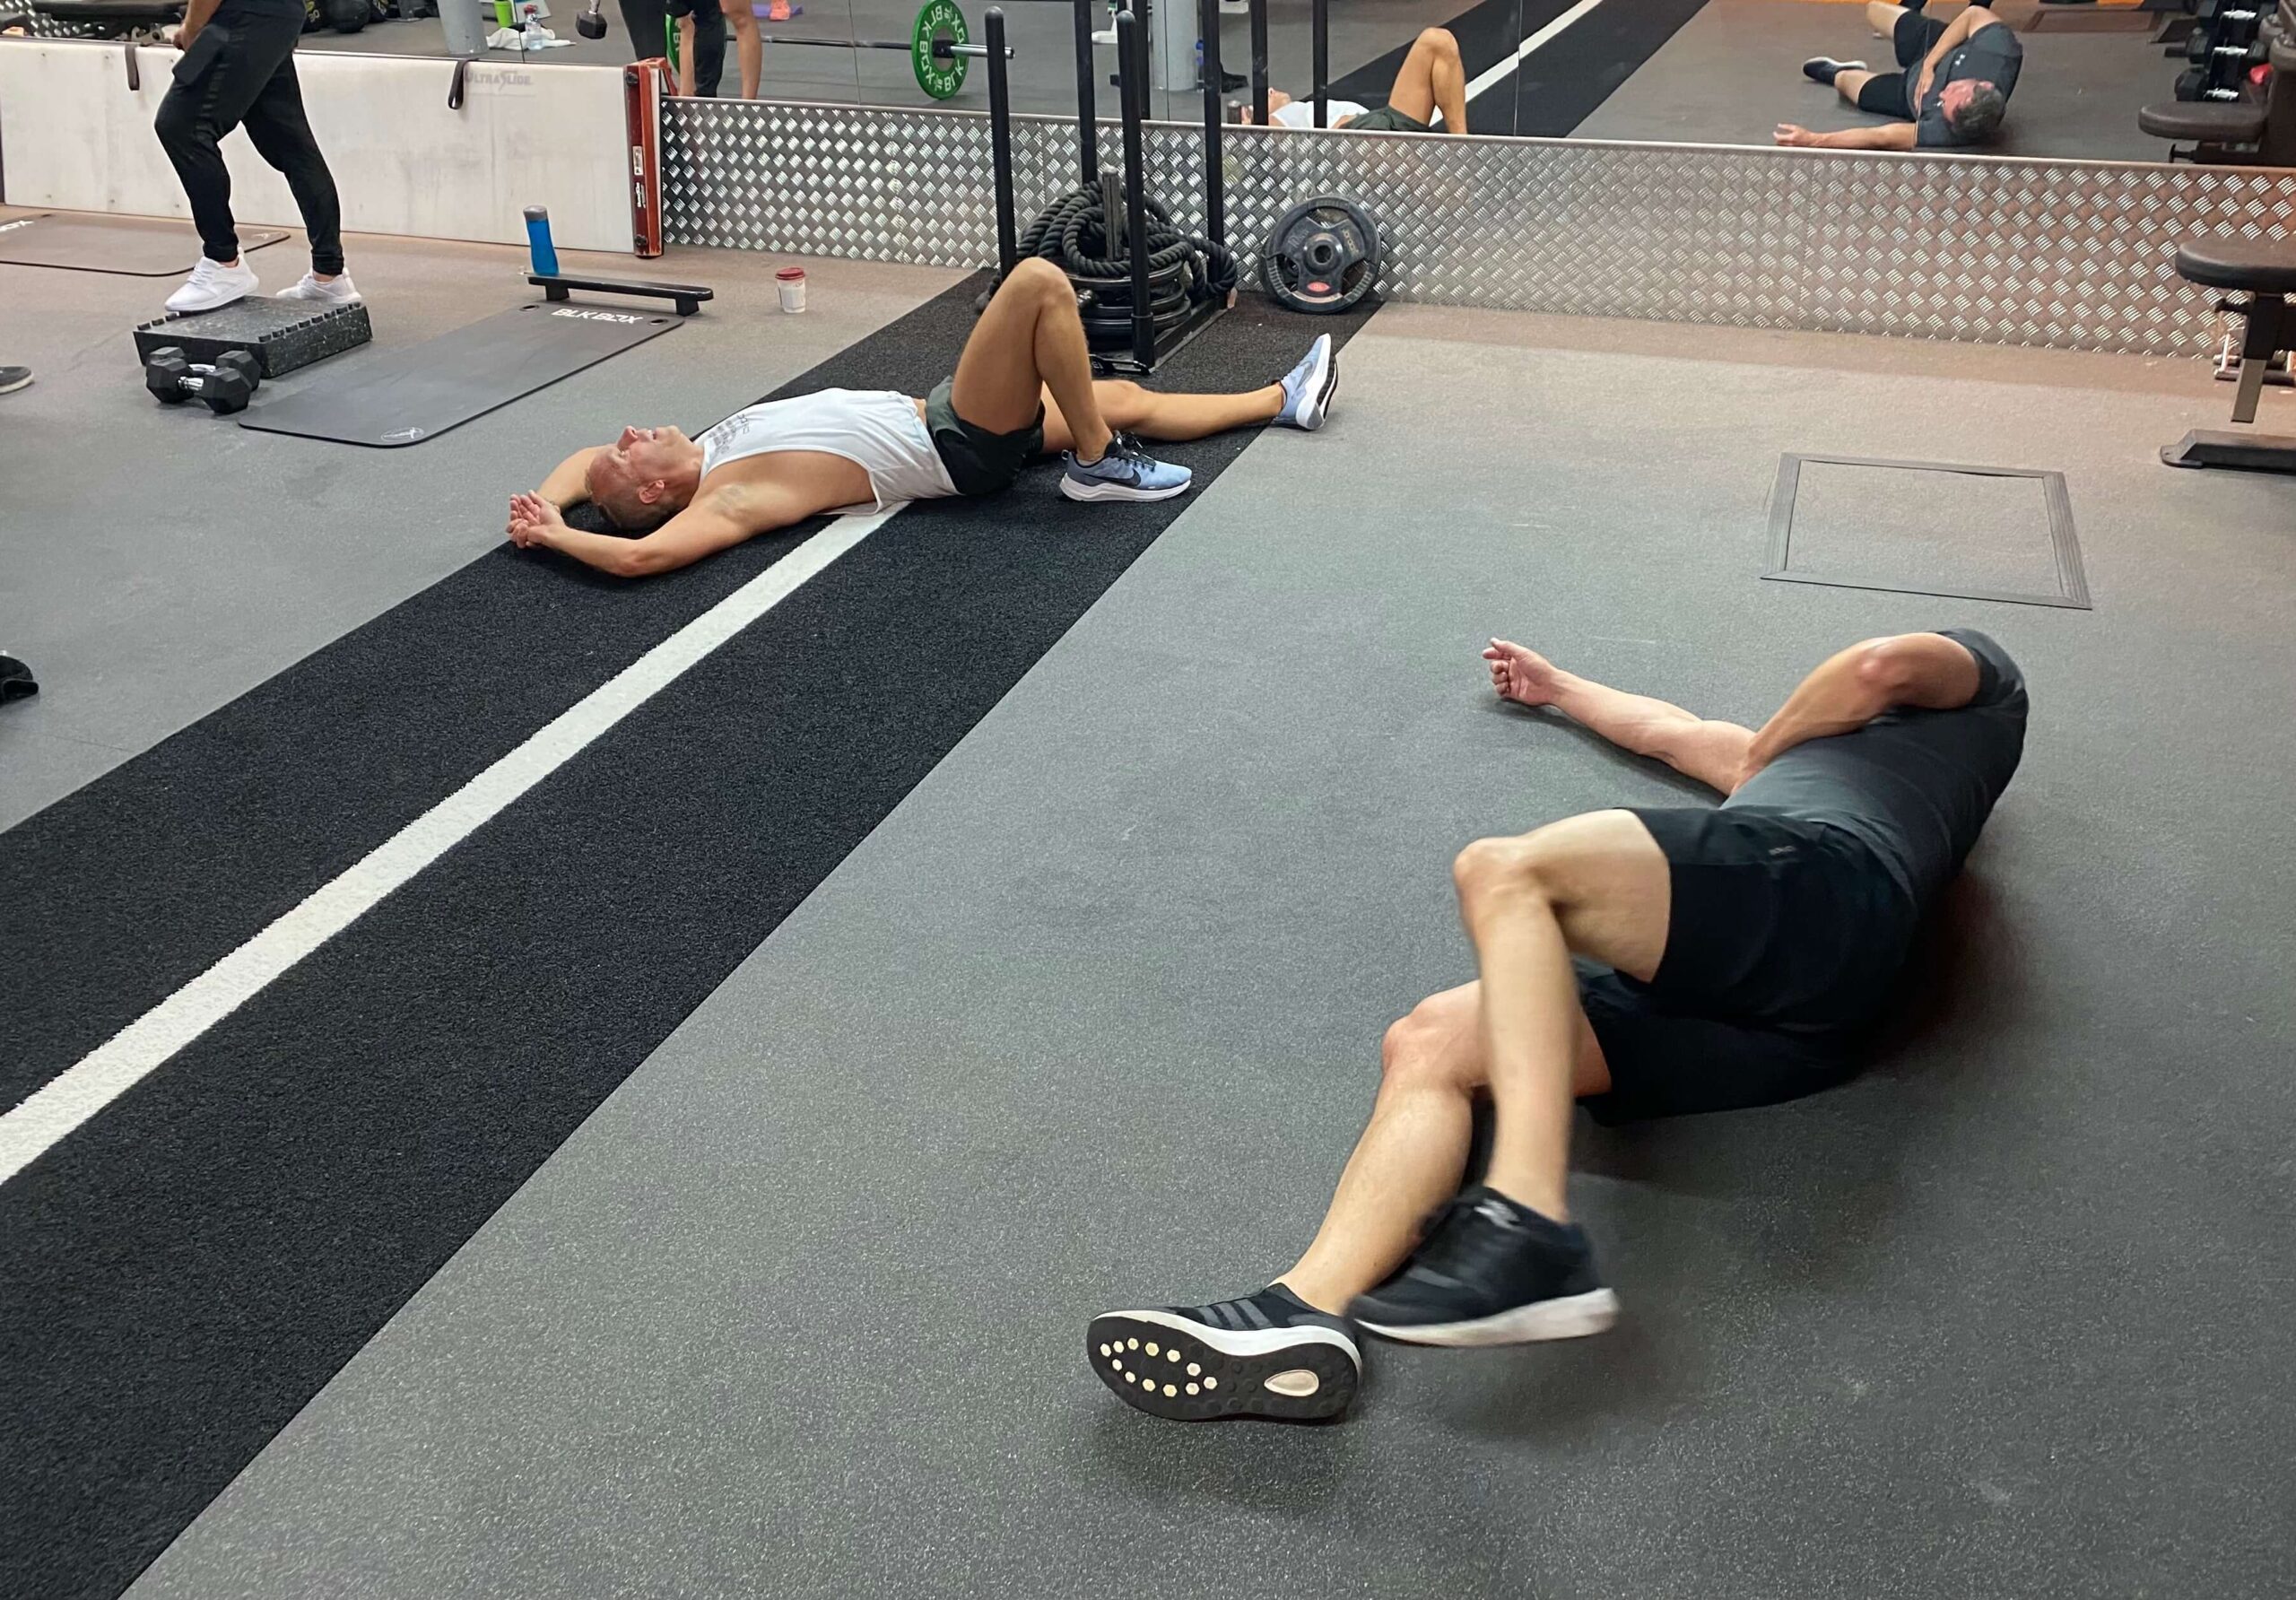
x,y
183,1273
1562,82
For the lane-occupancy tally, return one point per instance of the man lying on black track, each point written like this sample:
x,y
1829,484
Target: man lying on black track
x,y
1951,88
1023,386
1432,81
1729,956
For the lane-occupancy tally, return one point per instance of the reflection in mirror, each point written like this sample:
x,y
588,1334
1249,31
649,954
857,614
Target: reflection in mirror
x,y
1394,67
805,47
2070,77
536,33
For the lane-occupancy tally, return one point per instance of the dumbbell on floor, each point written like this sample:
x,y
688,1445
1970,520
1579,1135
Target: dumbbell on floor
x,y
592,22
224,387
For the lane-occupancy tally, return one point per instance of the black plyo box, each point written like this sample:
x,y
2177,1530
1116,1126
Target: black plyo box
x,y
283,334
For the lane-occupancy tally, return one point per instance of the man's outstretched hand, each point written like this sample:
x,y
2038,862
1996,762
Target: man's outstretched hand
x,y
1521,675
1795,133
535,522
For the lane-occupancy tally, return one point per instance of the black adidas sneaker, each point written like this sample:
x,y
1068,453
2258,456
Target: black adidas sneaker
x,y
1491,1272
1269,1354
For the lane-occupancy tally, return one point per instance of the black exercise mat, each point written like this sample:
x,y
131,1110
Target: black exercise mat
x,y
405,397
130,246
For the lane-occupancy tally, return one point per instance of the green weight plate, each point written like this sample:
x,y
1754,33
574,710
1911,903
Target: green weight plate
x,y
939,77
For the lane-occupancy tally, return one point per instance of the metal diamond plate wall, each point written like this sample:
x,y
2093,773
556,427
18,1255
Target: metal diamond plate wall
x,y
2075,255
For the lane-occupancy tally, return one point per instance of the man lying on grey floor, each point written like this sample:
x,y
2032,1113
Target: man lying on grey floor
x,y
1022,386
1725,957
1430,84
1951,88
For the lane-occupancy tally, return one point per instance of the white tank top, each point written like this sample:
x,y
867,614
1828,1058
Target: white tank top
x,y
1301,113
877,429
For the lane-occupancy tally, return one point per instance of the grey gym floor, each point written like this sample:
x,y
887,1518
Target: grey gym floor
x,y
146,598
1734,73
1093,1017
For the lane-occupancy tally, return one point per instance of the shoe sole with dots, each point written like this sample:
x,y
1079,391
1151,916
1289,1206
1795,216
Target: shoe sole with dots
x,y
1172,1368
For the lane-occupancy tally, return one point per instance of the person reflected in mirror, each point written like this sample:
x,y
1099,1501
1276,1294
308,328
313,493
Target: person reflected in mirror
x,y
701,40
1429,96
1949,91
749,43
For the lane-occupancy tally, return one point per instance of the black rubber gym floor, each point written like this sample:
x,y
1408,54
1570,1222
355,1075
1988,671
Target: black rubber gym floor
x,y
187,1270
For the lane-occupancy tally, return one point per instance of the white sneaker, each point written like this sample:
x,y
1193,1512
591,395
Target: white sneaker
x,y
339,290
212,284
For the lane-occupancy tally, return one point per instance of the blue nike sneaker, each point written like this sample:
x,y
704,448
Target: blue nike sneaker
x,y
1125,471
1308,387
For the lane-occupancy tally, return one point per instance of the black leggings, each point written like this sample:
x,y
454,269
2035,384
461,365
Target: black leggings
x,y
241,70
649,21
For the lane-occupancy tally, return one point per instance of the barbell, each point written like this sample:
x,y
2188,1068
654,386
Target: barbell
x,y
939,44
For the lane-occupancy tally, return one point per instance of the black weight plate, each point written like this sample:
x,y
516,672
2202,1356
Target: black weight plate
x,y
1323,257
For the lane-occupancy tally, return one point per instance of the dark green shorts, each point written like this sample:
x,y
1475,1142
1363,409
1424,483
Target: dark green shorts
x,y
979,462
1387,120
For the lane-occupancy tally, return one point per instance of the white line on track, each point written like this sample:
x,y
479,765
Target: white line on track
x,y
66,1102
1493,74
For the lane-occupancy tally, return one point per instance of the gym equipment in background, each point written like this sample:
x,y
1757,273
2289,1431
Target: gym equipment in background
x,y
404,396
2264,271
1323,256
939,45
1144,288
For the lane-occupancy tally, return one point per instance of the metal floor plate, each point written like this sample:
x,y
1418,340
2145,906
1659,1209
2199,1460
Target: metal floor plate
x,y
1926,527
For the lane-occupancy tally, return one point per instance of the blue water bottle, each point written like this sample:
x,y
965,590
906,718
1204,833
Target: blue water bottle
x,y
538,245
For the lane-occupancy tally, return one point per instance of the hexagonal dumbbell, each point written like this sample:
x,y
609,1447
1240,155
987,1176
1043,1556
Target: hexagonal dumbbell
x,y
224,387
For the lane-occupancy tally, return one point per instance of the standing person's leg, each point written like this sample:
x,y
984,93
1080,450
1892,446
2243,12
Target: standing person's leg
x,y
281,132
647,24
749,44
216,80
703,37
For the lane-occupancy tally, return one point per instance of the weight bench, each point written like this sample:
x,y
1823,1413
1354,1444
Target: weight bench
x,y
2238,131
2265,271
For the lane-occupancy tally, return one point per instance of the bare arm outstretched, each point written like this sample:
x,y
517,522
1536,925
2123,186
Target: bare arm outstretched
x,y
1711,752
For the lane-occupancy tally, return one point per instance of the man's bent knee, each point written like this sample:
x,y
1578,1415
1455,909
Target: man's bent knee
x,y
1492,866
1039,277
1421,1050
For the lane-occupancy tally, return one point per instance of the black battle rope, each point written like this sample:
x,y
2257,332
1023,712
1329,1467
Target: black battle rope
x,y
1073,234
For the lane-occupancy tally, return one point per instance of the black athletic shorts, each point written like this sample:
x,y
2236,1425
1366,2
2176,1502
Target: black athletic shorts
x,y
1784,939
979,462
1890,94
1387,120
